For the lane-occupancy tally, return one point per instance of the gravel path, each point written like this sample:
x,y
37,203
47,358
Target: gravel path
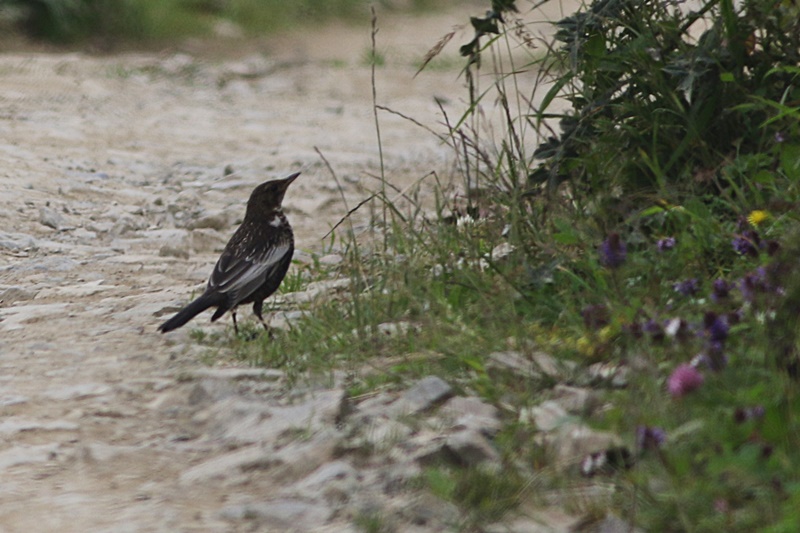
x,y
121,178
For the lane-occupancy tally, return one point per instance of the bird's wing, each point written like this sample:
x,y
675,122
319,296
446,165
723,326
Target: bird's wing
x,y
238,277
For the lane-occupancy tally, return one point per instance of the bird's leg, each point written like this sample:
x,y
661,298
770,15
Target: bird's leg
x,y
235,325
257,311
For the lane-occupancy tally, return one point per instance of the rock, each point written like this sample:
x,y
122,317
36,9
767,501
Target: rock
x,y
127,224
16,294
471,448
228,465
207,240
216,220
281,515
22,454
430,512
13,425
168,250
209,390
16,241
547,520
12,318
99,452
573,442
536,366
575,400
284,320
88,288
77,392
330,260
241,421
316,290
237,374
336,482
472,413
547,416
608,374
423,395
12,399
50,218
382,433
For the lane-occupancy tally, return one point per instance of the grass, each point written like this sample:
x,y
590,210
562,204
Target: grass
x,y
633,236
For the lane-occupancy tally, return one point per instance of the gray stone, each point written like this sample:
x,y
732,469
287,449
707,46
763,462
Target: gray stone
x,y
22,454
242,421
217,220
227,465
98,452
238,374
608,374
283,514
284,320
16,241
13,425
330,259
51,218
16,294
12,399
317,290
537,365
471,448
168,250
547,416
575,400
472,413
424,394
77,392
207,240
336,482
573,442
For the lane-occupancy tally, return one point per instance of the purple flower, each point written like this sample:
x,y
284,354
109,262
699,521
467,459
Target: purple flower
x,y
613,251
687,287
649,438
683,380
753,283
720,290
716,327
780,137
747,243
666,244
654,329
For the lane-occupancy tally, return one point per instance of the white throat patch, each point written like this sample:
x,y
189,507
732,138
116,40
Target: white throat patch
x,y
275,222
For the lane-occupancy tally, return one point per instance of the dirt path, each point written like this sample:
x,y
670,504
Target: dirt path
x,y
120,177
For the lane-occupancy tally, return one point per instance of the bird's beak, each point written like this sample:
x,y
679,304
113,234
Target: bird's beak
x,y
288,180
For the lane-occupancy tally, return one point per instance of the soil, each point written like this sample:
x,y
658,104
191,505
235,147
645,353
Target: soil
x,y
108,164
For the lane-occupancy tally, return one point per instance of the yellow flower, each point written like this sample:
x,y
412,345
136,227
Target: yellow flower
x,y
755,218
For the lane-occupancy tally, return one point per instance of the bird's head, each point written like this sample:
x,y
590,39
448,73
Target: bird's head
x,y
268,196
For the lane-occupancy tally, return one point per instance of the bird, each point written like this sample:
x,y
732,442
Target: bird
x,y
253,263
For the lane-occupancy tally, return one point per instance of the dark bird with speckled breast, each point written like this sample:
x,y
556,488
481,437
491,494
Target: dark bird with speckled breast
x,y
253,263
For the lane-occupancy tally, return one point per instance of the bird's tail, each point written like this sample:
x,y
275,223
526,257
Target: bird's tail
x,y
190,311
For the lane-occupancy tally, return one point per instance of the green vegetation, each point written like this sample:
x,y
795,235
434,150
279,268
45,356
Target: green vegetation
x,y
655,229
